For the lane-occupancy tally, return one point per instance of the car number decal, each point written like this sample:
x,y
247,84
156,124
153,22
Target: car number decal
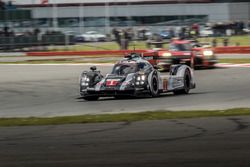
x,y
112,82
165,84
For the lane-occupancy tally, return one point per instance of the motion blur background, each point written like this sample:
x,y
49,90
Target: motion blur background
x,y
60,22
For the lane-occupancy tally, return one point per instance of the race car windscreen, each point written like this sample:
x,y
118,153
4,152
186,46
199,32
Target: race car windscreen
x,y
124,69
180,47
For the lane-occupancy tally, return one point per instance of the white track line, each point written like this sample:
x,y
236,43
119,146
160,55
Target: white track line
x,y
232,65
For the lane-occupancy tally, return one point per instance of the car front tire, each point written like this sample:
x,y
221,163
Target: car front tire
x,y
154,88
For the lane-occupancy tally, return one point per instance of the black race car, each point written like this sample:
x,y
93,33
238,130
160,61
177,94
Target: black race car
x,y
135,76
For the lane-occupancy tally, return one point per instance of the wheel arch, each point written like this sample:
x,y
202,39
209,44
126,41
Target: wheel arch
x,y
150,77
180,70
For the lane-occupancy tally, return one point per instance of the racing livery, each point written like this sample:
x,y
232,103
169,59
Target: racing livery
x,y
204,55
186,52
135,76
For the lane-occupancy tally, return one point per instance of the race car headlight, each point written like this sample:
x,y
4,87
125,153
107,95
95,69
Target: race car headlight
x,y
208,53
85,84
85,80
143,77
140,80
166,54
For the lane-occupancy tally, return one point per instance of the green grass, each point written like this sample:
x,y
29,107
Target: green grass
x,y
242,40
3,56
123,117
101,46
236,61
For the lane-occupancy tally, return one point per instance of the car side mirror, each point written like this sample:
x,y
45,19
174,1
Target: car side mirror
x,y
93,68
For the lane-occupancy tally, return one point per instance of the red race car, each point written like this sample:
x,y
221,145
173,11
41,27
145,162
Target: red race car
x,y
182,52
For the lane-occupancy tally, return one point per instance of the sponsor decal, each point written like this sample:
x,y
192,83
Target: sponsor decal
x,y
165,84
112,82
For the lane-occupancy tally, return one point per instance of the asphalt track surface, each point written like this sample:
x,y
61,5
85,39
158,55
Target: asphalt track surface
x,y
205,142
49,90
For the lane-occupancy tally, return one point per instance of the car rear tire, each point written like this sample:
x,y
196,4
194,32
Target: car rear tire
x,y
187,84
